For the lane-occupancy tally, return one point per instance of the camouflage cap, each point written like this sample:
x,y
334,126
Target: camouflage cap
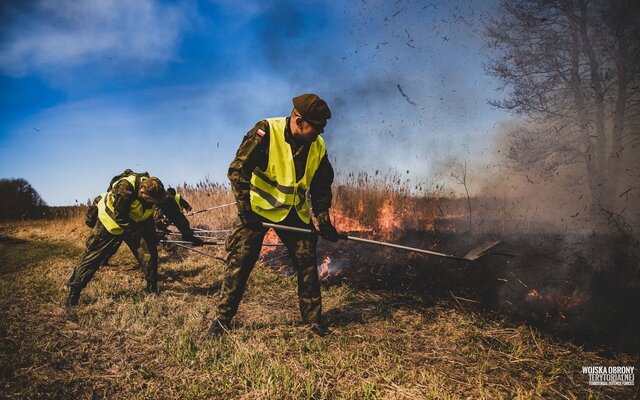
x,y
312,109
154,188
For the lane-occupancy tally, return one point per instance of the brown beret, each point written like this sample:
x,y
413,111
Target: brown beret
x,y
312,109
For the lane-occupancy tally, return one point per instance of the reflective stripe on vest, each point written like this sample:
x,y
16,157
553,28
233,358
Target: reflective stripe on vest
x,y
106,211
275,190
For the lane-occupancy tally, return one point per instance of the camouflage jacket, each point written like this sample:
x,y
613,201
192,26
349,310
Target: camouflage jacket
x,y
185,204
254,153
124,195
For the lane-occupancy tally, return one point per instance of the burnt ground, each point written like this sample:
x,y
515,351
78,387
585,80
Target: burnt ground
x,y
581,288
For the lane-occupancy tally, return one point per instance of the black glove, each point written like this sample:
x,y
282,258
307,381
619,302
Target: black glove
x,y
195,241
160,235
326,229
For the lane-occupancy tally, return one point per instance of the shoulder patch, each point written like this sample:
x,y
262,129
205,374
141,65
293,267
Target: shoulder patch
x,y
260,132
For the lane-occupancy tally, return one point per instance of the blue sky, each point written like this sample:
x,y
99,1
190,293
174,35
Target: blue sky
x,y
90,88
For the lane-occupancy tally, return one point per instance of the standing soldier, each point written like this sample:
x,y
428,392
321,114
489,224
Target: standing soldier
x,y
124,212
280,162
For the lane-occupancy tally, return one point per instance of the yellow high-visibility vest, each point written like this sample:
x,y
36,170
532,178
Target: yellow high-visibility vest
x,y
177,199
275,190
106,211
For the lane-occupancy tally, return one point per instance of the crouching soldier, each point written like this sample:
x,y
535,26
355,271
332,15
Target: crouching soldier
x,y
124,214
161,220
180,201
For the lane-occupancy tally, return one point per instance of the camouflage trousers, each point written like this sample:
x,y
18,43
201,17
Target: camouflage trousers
x,y
102,244
133,242
244,245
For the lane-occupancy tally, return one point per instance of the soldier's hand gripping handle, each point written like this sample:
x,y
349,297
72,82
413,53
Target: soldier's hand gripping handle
x,y
326,229
195,241
302,230
248,218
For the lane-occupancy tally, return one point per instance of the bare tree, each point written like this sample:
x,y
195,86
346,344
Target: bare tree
x,y
572,70
461,178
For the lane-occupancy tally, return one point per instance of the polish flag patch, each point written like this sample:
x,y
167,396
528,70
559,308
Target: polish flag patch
x,y
260,132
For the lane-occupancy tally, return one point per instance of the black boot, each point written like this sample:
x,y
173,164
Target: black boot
x,y
320,330
152,287
74,296
217,328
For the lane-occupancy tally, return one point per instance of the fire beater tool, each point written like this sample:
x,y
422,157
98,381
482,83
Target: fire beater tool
x,y
472,255
219,258
213,243
199,252
209,209
202,232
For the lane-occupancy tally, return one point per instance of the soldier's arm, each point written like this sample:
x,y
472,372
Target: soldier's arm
x,y
320,189
170,209
184,204
123,196
251,151
160,221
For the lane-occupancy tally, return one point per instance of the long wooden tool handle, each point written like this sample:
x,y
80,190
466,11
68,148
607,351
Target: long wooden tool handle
x,y
210,243
357,239
406,248
209,209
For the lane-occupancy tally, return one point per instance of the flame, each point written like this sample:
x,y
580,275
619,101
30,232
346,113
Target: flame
x,y
388,220
534,294
323,269
346,224
328,269
561,300
361,207
386,213
270,237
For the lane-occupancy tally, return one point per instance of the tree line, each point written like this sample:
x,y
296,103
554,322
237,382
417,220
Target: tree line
x,y
19,200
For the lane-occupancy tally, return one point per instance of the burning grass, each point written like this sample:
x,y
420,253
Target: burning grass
x,y
388,341
404,326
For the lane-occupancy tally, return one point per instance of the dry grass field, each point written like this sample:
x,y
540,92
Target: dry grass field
x,y
385,343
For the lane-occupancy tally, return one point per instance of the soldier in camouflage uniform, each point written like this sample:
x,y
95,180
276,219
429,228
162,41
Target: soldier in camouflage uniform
x,y
180,200
124,212
161,220
131,239
280,162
